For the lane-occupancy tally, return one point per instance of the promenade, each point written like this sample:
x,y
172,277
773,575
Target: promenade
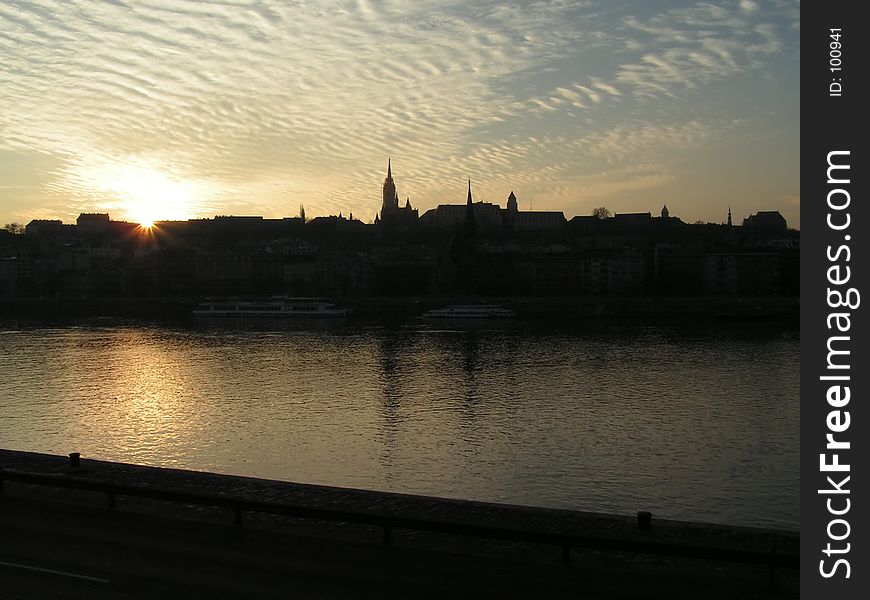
x,y
69,543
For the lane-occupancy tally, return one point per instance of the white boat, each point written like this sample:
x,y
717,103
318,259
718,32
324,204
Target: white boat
x,y
312,308
470,311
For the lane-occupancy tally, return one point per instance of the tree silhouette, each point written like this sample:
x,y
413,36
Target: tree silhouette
x,y
601,212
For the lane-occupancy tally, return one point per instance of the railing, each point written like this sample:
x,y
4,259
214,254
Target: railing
x,y
773,559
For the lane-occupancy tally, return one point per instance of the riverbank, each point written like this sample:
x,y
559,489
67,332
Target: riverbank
x,y
786,310
614,533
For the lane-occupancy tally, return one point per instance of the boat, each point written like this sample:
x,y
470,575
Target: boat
x,y
312,308
470,311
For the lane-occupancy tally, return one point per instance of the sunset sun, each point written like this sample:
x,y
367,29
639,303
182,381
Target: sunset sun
x,y
146,193
150,195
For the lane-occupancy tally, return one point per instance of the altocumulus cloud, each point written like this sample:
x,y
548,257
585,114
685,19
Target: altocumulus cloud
x,y
256,106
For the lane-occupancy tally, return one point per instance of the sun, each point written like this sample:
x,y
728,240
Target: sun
x,y
146,193
145,222
152,196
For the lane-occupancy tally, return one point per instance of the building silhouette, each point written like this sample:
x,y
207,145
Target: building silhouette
x,y
492,219
472,248
766,220
394,217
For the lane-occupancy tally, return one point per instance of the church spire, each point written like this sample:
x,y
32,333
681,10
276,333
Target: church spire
x,y
391,197
729,215
469,223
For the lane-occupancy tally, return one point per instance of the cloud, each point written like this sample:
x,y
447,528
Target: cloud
x,y
748,6
697,44
266,104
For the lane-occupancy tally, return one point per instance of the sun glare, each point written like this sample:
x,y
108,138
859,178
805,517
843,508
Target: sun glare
x,y
146,193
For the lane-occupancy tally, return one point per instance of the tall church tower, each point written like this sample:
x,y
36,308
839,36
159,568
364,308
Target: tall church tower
x,y
393,216
391,198
512,203
469,224
509,215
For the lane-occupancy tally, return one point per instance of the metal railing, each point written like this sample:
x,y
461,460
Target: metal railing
x,y
773,558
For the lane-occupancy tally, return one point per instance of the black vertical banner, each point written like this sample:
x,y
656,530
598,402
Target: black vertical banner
x,y
835,264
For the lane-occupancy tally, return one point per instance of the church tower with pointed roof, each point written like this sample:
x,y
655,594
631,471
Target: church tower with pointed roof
x,y
469,224
512,203
509,216
392,215
391,197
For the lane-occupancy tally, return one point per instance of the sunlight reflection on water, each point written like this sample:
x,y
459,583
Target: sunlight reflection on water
x,y
692,424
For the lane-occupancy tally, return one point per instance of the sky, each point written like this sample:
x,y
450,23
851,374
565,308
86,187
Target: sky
x,y
176,109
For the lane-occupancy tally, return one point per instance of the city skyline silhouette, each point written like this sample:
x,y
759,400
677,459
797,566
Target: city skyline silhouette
x,y
176,114
392,205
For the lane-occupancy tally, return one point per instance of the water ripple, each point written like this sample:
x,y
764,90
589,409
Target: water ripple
x,y
698,425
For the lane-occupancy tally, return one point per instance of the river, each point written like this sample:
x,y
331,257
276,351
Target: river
x,y
693,422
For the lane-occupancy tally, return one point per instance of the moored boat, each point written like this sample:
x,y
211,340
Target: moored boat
x,y
312,308
470,311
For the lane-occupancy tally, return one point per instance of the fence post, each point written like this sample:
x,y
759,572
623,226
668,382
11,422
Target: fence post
x,y
75,460
644,519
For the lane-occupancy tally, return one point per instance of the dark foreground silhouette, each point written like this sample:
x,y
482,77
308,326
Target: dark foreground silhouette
x,y
68,543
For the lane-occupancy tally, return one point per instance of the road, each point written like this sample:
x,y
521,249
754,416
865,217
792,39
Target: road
x,y
80,549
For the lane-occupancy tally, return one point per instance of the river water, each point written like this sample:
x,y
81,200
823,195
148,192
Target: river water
x,y
697,423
